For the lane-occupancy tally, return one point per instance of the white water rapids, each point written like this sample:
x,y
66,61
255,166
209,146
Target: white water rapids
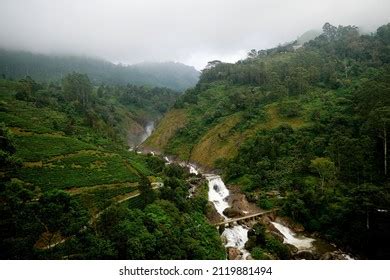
x,y
237,235
148,131
218,194
301,242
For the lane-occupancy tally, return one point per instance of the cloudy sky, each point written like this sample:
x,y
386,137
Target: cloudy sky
x,y
189,31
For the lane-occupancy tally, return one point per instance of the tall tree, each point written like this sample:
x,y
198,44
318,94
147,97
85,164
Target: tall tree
x,y
77,87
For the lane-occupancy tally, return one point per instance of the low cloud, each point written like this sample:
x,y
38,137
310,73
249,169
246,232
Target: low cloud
x,y
189,31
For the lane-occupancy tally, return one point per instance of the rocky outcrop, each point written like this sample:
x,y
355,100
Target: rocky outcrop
x,y
234,253
306,255
233,212
212,214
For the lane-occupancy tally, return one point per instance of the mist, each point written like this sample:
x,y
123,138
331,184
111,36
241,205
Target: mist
x,y
188,31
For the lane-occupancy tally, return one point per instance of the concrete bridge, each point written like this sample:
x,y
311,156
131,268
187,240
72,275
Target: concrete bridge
x,y
249,217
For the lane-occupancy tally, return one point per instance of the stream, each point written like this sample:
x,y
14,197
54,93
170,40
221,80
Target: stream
x,y
237,235
148,131
300,242
135,139
218,194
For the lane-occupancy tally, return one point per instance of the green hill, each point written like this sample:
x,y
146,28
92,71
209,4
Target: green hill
x,y
308,123
70,189
52,68
60,150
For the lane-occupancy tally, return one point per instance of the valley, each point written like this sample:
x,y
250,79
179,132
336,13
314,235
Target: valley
x,y
281,155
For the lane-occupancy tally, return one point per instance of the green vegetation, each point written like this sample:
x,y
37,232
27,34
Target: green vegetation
x,y
263,245
304,130
301,129
70,189
36,147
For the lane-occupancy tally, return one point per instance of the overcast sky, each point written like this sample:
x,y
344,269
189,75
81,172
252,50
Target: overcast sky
x,y
190,31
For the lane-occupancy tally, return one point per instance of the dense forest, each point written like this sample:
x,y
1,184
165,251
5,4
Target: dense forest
x,y
52,68
299,127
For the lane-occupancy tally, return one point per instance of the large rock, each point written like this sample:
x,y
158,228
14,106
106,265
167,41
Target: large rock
x,y
212,215
233,253
232,212
306,255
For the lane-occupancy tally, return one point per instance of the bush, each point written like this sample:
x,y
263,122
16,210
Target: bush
x,y
278,248
259,254
265,203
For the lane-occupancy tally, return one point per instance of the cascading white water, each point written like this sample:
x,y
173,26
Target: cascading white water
x,y
193,170
148,131
235,236
218,193
301,242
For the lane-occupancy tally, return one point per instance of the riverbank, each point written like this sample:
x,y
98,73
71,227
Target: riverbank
x,y
229,202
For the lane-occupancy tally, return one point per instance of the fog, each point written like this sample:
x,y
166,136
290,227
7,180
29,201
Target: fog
x,y
188,31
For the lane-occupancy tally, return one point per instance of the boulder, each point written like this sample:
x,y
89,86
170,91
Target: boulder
x,y
232,212
233,253
306,255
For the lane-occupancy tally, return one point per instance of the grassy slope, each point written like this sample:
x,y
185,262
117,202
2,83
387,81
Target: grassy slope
x,y
165,130
220,140
95,171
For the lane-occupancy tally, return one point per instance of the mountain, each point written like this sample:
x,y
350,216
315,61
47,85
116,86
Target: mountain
x,y
308,124
18,64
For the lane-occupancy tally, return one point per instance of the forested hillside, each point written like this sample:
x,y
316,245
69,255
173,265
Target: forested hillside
x,y
52,68
301,128
69,187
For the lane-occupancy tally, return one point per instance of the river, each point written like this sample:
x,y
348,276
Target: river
x,y
237,235
218,194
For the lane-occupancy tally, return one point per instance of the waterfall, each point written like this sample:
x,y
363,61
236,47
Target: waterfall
x,y
235,236
193,169
148,131
301,242
218,193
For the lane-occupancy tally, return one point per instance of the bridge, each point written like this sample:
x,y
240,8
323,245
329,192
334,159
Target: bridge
x,y
245,218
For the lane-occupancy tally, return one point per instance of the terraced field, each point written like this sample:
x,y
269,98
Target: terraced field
x,y
84,164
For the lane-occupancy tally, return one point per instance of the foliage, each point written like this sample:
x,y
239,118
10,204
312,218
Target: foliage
x,y
323,125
